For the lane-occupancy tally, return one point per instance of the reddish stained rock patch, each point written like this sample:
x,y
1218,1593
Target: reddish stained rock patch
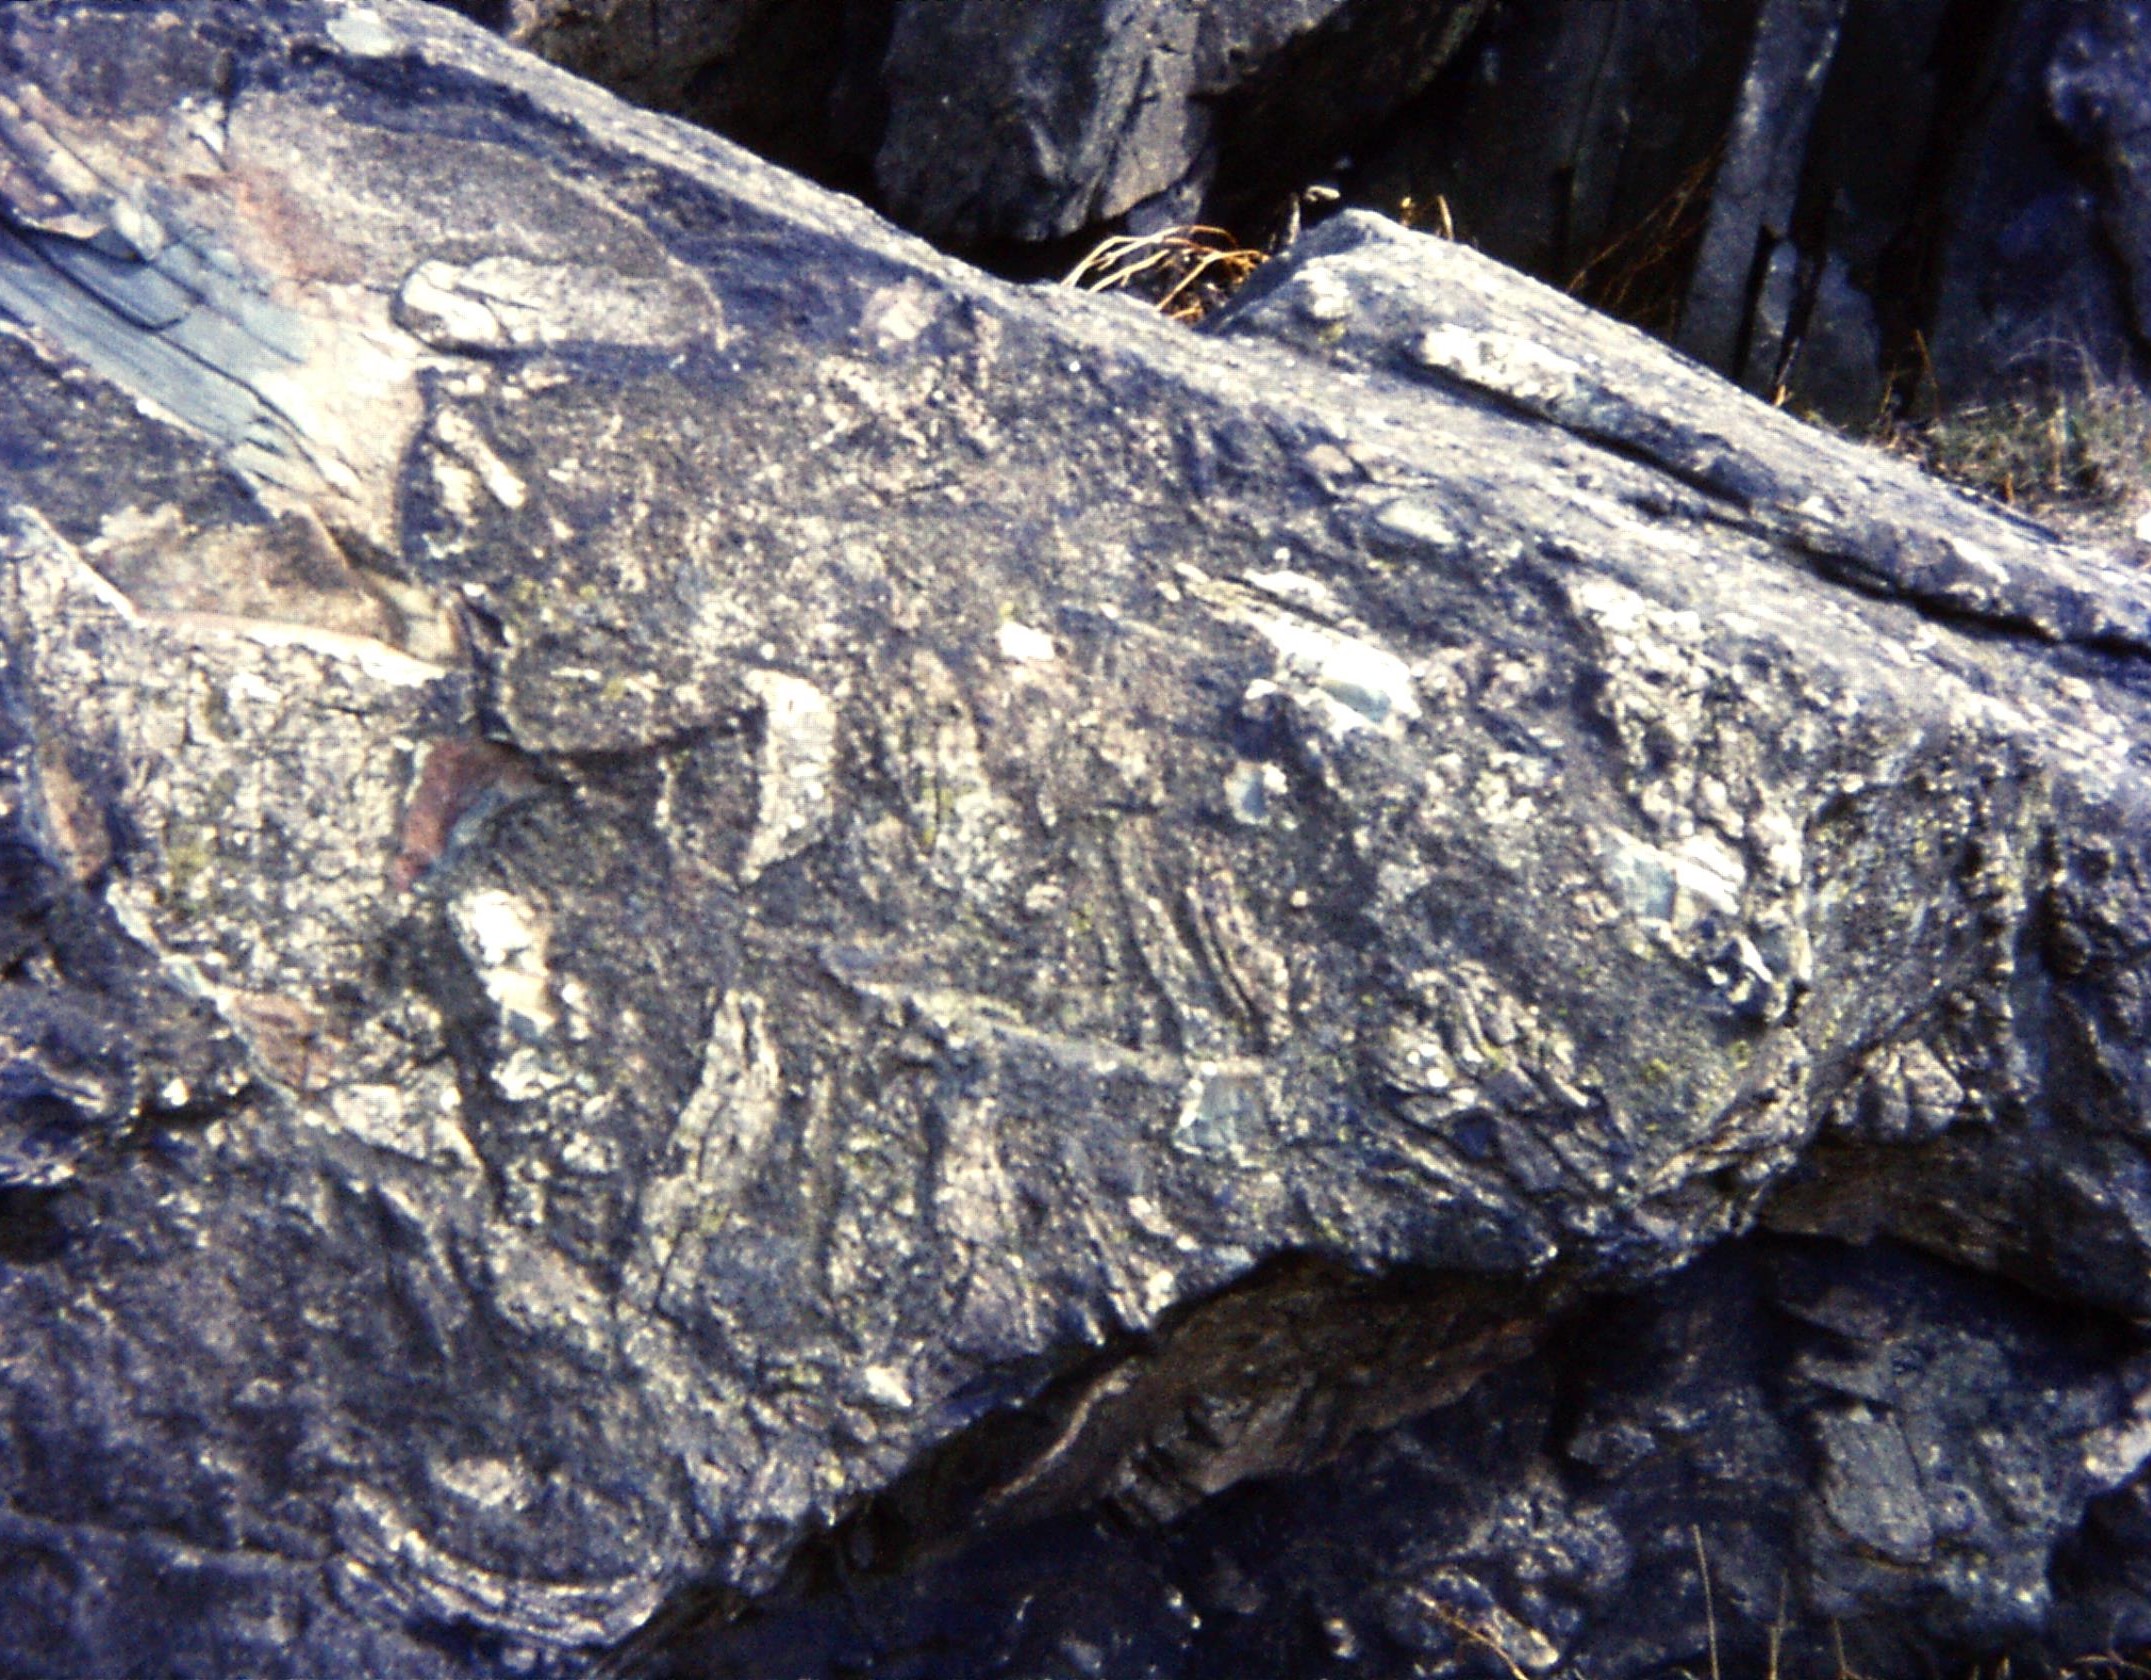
x,y
456,777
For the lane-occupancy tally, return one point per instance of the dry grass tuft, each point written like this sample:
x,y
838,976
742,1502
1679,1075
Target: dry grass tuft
x,y
1185,272
2109,1665
1641,274
2086,451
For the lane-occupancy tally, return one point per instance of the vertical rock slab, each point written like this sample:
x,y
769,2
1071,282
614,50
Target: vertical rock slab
x,y
1745,269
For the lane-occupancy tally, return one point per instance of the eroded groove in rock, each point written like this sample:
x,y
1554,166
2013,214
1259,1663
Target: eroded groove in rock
x,y
729,832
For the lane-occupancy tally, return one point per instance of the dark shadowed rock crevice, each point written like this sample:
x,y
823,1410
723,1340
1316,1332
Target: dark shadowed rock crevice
x,y
797,81
1279,1373
1843,201
1633,102
1820,1431
987,130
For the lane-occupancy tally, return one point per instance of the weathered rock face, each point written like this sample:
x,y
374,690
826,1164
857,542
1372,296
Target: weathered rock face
x,y
673,863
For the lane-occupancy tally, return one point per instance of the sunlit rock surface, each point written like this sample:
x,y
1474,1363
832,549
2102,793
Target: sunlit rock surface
x,y
672,864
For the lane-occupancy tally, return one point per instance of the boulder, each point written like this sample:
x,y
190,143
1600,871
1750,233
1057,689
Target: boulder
x,y
679,872
1095,111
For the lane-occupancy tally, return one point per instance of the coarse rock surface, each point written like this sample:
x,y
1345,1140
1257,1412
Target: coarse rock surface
x,y
679,873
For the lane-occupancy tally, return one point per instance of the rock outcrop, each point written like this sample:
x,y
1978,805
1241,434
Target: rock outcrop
x,y
978,126
1911,201
695,898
